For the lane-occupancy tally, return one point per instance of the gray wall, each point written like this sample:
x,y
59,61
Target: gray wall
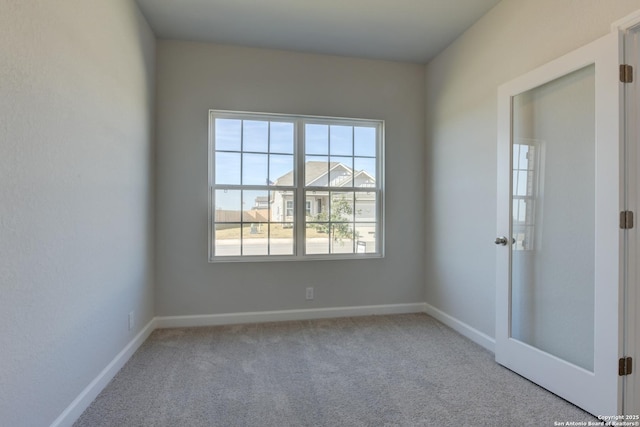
x,y
194,77
461,88
76,250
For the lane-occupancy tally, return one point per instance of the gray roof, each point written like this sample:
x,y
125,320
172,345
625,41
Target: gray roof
x,y
313,171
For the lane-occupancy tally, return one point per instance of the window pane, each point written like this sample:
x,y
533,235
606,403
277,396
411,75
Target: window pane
x,y
281,242
365,238
318,203
254,169
228,205
317,238
342,238
227,168
255,206
519,210
316,171
280,201
280,169
341,140
516,156
227,239
316,139
365,170
255,239
283,207
281,137
341,172
365,207
520,183
341,208
520,156
255,136
364,139
227,136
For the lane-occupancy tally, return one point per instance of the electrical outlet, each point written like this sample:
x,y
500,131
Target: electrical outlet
x,y
131,320
309,293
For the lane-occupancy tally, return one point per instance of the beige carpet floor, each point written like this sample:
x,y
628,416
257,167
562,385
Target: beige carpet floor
x,y
400,370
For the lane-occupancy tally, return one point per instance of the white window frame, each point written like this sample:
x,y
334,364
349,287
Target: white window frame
x,y
288,209
299,187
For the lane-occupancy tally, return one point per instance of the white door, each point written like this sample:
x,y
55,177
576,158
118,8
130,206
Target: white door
x,y
559,239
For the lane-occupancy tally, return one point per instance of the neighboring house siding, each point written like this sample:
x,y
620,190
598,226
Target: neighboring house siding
x,y
321,174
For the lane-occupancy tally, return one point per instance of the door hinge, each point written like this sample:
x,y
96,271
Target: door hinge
x,y
626,220
625,366
626,73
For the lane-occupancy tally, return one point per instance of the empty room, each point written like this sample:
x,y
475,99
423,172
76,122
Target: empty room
x,y
331,213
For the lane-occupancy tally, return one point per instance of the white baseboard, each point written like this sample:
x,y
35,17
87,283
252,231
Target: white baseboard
x,y
84,399
462,328
276,316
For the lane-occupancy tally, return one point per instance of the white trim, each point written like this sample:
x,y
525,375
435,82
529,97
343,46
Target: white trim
x,y
71,414
299,187
631,161
462,328
627,22
283,315
88,395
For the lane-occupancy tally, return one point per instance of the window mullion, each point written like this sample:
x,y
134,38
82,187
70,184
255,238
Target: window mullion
x,y
353,186
379,187
242,187
299,182
353,215
268,191
241,223
210,174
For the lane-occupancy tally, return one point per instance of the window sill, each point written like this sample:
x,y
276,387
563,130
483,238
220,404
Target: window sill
x,y
278,258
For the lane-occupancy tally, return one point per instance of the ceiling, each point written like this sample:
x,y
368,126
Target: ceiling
x,y
396,30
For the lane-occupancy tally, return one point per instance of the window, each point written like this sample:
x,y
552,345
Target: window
x,y
294,187
526,183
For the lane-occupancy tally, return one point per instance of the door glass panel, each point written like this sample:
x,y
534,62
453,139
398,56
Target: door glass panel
x,y
553,218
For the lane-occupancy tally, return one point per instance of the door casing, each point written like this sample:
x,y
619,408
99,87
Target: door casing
x,y
629,30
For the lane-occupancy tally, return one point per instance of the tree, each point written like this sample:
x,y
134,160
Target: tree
x,y
340,220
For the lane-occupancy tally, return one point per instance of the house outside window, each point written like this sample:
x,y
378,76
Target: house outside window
x,y
294,187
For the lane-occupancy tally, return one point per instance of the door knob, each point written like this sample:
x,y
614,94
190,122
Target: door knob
x,y
502,241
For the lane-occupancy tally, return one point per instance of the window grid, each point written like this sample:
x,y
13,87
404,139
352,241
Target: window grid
x,y
302,207
244,188
525,181
330,223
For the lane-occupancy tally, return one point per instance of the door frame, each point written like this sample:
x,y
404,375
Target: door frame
x,y
605,53
628,29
